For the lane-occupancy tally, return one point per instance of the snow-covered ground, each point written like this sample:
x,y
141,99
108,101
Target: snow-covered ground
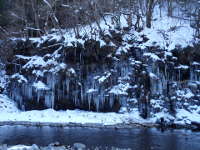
x,y
10,113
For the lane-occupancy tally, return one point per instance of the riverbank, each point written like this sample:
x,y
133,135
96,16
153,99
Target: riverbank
x,y
11,115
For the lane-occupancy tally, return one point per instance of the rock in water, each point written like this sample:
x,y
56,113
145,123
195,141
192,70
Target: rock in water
x,y
79,146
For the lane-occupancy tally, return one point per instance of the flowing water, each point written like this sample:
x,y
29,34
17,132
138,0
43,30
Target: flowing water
x,y
136,138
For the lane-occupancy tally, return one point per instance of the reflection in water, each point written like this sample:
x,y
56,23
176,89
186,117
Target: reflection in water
x,y
137,138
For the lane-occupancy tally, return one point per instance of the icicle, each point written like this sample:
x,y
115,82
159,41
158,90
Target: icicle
x,y
52,100
111,100
81,92
47,100
29,92
63,90
102,98
89,100
97,103
67,83
179,75
38,96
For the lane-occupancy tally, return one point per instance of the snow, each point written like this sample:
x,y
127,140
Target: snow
x,y
153,76
104,78
91,90
152,56
2,78
20,147
166,116
40,86
36,61
20,78
71,70
196,63
187,93
120,89
183,67
168,32
123,49
7,105
9,112
23,57
185,117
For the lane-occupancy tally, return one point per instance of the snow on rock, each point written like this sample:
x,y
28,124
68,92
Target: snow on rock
x,y
105,77
20,147
23,57
182,67
185,117
91,90
152,56
187,93
120,89
40,86
20,78
123,49
36,61
165,115
2,79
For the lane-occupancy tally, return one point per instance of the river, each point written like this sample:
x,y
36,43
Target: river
x,y
136,138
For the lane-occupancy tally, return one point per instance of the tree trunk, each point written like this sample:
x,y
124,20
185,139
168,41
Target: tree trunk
x,y
170,8
149,13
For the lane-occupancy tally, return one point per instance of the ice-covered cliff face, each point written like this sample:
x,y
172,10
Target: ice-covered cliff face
x,y
91,76
86,76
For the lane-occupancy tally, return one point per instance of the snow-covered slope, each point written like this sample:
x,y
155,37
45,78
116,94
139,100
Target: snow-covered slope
x,y
168,32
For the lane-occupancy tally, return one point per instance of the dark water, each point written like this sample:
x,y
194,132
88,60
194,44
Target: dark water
x,y
137,138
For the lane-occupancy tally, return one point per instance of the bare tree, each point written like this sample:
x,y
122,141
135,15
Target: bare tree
x,y
149,12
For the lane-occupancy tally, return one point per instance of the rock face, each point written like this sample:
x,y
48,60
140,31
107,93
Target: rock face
x,y
81,76
90,75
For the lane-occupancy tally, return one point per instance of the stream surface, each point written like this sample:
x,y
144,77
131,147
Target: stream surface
x,y
136,138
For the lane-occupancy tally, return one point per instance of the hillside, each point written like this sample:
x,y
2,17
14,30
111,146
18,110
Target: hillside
x,y
112,70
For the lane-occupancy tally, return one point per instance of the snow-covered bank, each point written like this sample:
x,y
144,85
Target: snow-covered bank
x,y
10,115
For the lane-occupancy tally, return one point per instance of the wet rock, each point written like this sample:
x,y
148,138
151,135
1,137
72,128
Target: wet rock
x,y
1,90
35,147
195,125
55,144
79,146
